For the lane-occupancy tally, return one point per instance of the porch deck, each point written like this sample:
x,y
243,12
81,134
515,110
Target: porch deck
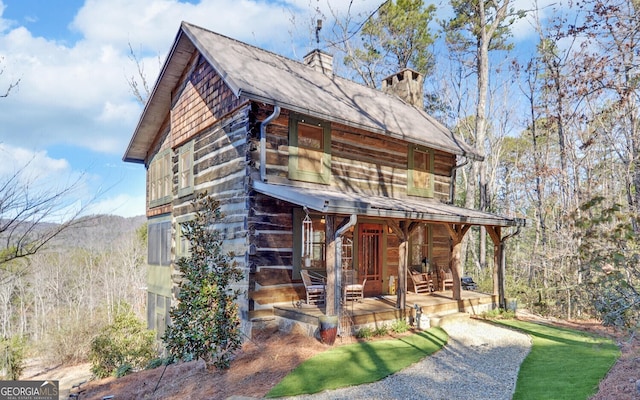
x,y
382,309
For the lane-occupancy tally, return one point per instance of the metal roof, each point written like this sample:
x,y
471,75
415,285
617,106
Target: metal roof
x,y
411,208
259,75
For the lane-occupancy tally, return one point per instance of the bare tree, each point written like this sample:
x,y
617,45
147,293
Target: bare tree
x,y
30,219
12,85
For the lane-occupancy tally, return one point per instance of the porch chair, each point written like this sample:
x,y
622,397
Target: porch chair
x,y
447,279
351,289
422,281
314,286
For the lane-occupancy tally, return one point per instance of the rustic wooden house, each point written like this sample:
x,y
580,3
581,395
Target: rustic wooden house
x,y
314,172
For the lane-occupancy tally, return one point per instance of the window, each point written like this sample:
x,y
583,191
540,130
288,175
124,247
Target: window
x,y
420,172
185,170
314,251
309,149
183,246
158,307
159,179
159,243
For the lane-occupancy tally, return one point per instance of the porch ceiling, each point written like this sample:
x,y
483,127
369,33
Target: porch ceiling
x,y
410,208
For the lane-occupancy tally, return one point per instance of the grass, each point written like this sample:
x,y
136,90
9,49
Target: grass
x,y
359,363
563,363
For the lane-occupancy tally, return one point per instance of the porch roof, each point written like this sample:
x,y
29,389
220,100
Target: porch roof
x,y
412,208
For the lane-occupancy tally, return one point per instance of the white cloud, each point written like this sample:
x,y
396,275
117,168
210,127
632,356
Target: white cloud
x,y
73,94
40,165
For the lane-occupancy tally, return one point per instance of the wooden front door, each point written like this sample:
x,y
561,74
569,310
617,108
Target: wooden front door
x,y
370,258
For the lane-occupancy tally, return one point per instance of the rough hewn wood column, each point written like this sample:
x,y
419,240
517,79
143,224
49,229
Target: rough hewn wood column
x,y
457,232
498,280
403,248
331,305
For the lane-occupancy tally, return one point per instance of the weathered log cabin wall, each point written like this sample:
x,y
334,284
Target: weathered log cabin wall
x,y
215,123
360,161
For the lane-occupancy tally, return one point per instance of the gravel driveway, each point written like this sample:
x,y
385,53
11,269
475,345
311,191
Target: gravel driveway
x,y
480,361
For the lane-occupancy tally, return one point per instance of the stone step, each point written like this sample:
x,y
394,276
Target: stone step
x,y
444,319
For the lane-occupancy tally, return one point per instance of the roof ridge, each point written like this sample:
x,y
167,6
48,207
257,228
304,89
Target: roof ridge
x,y
300,62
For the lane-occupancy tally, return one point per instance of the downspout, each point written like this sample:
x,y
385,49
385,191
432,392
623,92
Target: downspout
x,y
502,268
263,142
452,187
338,277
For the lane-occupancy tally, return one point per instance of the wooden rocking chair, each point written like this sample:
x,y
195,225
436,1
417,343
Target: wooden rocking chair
x,y
447,279
351,289
315,286
422,281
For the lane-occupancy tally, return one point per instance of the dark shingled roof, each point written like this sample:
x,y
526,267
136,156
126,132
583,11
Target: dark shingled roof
x,y
263,76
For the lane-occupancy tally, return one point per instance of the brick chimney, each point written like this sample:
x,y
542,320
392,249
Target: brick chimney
x,y
320,61
406,84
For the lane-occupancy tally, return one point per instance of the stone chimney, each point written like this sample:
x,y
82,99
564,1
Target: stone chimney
x,y
406,84
320,61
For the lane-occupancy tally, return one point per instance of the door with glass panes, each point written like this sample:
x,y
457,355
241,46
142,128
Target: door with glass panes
x,y
370,257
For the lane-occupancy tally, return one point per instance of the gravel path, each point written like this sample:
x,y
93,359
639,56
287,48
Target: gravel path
x,y
480,361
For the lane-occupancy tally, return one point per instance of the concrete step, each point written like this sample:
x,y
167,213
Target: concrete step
x,y
444,319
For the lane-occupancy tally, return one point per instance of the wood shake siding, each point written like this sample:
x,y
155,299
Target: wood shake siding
x,y
199,100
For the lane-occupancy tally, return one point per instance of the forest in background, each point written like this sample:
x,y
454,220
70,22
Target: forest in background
x,y
557,120
63,295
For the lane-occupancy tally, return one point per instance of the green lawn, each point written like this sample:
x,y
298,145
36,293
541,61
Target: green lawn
x,y
563,363
359,363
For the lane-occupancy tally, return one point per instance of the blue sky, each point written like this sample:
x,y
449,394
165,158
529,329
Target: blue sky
x,y
73,114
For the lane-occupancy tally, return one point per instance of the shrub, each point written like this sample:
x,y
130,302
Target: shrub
x,y
159,362
365,333
124,369
498,313
206,324
124,342
12,361
381,330
400,326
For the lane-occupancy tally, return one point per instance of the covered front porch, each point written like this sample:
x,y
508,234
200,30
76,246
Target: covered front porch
x,y
379,310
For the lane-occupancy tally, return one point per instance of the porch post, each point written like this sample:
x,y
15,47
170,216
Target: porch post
x,y
331,306
502,295
456,232
498,267
402,230
401,294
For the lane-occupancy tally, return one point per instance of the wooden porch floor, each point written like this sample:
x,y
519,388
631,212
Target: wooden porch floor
x,y
382,309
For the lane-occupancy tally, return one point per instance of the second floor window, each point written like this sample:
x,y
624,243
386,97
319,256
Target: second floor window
x,y
420,172
309,149
159,179
185,170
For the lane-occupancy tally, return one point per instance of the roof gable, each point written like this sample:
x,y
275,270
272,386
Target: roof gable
x,y
260,75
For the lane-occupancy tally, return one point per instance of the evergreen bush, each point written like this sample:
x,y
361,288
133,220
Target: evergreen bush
x,y
124,342
12,359
205,323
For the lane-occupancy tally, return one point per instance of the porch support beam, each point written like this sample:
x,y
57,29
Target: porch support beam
x,y
334,252
456,232
498,273
500,263
331,305
401,231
